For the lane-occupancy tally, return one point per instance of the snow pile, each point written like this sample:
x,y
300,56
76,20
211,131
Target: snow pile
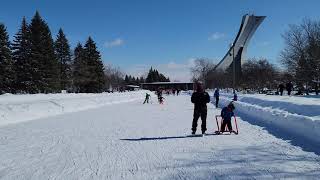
x,y
306,106
289,117
19,108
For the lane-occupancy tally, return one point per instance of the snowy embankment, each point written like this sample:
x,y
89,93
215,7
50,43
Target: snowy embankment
x,y
294,118
19,108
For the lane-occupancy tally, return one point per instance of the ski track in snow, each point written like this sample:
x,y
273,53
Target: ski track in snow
x,y
135,141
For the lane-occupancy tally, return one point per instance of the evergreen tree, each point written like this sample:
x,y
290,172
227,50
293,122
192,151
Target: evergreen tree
x,y
6,63
126,80
62,51
45,74
95,67
21,57
80,73
141,80
155,76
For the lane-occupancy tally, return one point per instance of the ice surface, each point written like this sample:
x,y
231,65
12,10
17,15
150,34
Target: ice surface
x,y
131,140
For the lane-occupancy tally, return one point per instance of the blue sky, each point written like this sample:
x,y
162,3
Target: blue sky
x,y
167,34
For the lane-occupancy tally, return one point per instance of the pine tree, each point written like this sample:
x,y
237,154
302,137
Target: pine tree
x,y
141,80
80,73
95,67
21,57
62,51
155,76
45,74
126,80
7,74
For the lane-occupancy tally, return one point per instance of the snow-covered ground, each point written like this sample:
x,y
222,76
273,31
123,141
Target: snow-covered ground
x,y
19,108
131,140
290,117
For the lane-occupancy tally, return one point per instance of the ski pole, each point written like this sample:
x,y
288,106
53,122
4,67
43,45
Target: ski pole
x,y
235,120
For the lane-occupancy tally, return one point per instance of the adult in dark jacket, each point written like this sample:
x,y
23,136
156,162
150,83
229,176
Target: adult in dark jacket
x,y
217,95
289,87
281,88
200,98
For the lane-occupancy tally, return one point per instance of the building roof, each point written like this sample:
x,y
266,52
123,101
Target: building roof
x,y
167,83
133,86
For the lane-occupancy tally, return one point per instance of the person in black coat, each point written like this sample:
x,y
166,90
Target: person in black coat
x,y
200,98
289,87
281,88
217,95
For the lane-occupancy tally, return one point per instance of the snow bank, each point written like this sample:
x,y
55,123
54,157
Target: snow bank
x,y
306,106
19,108
287,123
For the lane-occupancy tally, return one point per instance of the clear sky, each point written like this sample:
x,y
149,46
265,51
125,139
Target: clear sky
x,y
167,34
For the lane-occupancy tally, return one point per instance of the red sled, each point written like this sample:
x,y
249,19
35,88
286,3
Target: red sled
x,y
226,128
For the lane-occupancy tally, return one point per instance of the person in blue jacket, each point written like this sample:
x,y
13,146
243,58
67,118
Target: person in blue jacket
x,y
226,114
235,96
216,95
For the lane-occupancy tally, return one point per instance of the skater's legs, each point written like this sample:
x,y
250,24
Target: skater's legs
x,y
217,102
196,115
204,121
229,126
223,126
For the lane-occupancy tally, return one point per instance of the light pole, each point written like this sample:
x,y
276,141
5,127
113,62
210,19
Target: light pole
x,y
233,68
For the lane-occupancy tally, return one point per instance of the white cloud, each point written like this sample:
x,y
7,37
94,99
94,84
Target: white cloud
x,y
265,43
216,36
176,71
114,43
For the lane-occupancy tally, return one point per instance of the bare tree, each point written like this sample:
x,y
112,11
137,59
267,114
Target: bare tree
x,y
114,77
258,74
301,55
202,69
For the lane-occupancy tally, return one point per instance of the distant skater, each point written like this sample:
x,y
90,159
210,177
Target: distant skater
x,y
235,96
216,95
200,98
146,100
289,87
281,88
161,98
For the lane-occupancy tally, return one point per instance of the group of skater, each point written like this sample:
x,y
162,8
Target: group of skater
x,y
159,95
289,88
200,98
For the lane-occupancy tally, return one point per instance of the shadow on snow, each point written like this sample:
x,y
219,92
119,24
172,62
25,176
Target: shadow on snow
x,y
170,137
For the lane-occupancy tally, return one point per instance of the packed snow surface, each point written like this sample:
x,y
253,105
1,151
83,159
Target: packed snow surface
x,y
18,108
131,140
290,117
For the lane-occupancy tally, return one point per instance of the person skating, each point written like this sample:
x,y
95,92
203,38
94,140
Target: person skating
x,y
235,96
226,114
161,98
216,95
146,100
200,98
289,87
159,94
281,88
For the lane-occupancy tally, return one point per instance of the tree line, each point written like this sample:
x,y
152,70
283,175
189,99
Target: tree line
x,y
152,76
35,63
256,74
300,59
301,55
